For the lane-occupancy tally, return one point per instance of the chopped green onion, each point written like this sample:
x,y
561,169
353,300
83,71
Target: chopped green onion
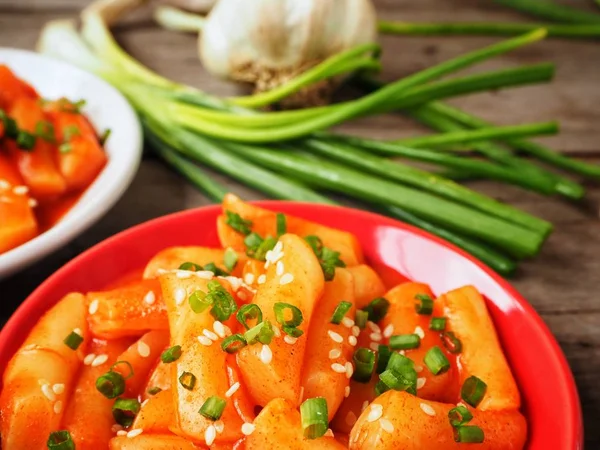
x,y
399,362
436,361
360,318
381,388
437,323
124,410
25,140
213,407
153,390
212,267
70,131
459,416
252,241
400,381
230,259
261,251
192,267
451,342
425,304
316,244
364,362
224,304
340,311
248,312
377,309
102,140
171,354
329,260
200,301
129,366
280,314
11,128
405,341
187,380
236,222
292,331
468,434
233,343
65,148
473,390
313,412
383,356
263,333
60,440
111,384
73,340
281,224
45,131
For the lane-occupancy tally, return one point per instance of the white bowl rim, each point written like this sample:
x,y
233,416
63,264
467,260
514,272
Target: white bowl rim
x,y
107,188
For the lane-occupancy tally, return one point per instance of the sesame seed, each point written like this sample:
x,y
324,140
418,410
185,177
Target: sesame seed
x,y
4,184
144,403
93,307
334,353
135,432
347,391
349,369
249,278
88,359
355,331
219,426
388,331
58,388
418,368
78,331
150,298
421,382
335,337
99,360
386,426
242,296
48,392
266,355
143,349
290,339
183,274
350,418
248,429
279,269
419,332
278,247
401,352
373,327
58,406
161,271
347,322
374,346
20,190
116,428
364,405
235,283
179,295
121,433
286,278
276,331
210,434
204,274
375,413
32,202
262,279
352,341
209,334
233,389
427,409
338,368
376,337
205,341
220,329
329,433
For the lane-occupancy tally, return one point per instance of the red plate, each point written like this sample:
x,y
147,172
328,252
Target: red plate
x,y
550,398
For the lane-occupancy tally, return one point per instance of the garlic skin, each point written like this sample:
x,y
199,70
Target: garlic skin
x,y
253,39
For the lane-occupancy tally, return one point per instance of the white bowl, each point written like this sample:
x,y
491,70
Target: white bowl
x,y
106,108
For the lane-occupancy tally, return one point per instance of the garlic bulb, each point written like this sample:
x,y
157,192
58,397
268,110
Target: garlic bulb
x,y
267,41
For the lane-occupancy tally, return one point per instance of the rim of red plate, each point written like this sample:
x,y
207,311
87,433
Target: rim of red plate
x,y
35,300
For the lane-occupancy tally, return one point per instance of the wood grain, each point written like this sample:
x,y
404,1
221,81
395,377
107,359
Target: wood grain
x,y
560,283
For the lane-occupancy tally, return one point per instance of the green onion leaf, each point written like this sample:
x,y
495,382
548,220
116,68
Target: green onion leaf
x,y
45,131
25,140
111,384
437,324
377,309
316,244
213,407
260,252
252,241
73,340
249,312
11,130
124,410
102,139
340,311
200,301
153,390
436,361
451,342
383,356
281,224
192,267
364,362
230,259
400,374
129,366
280,314
60,440
224,304
381,388
360,318
212,267
468,434
263,333
187,380
292,331
233,343
171,354
328,259
236,222
459,416
314,417
473,390
424,305
405,341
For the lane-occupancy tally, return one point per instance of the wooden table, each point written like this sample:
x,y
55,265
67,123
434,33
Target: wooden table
x,y
561,283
